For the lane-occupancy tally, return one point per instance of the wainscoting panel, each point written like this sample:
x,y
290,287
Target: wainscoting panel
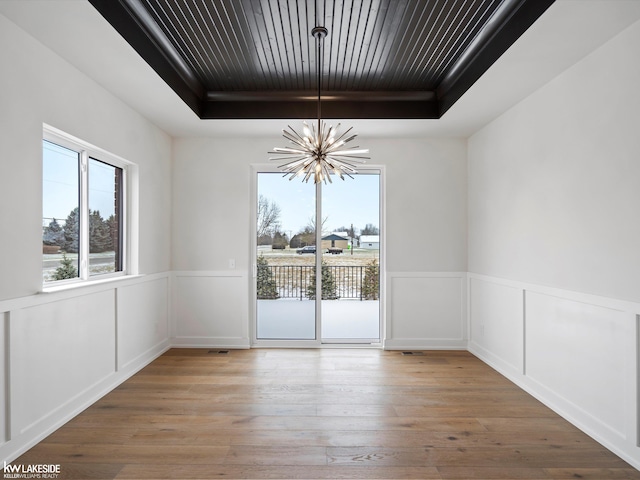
x,y
580,354
426,310
143,320
58,351
497,323
211,310
583,353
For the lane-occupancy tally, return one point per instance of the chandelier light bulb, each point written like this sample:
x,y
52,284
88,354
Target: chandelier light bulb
x,y
318,156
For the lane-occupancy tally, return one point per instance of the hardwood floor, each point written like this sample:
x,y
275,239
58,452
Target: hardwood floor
x,y
322,414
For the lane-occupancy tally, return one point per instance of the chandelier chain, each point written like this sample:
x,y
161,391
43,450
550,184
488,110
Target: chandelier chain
x,y
321,152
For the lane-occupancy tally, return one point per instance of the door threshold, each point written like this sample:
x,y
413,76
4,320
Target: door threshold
x,y
271,344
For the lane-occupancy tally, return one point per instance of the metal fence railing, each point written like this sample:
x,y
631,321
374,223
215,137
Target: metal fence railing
x,y
295,281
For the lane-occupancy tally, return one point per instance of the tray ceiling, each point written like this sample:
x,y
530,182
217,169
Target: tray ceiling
x,y
383,59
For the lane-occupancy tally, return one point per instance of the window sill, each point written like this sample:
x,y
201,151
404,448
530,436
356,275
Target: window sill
x,y
88,283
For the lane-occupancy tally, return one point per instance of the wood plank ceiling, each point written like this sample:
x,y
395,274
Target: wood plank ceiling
x,y
381,58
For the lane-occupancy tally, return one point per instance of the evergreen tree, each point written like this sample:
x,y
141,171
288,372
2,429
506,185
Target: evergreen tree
x,y
112,228
267,289
279,240
329,287
296,241
265,240
302,239
53,234
371,281
99,238
71,232
65,270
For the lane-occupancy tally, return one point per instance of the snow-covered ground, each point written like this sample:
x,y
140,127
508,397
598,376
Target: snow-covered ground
x,y
287,319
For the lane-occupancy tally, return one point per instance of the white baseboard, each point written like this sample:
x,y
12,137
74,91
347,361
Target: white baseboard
x,y
38,432
210,342
425,344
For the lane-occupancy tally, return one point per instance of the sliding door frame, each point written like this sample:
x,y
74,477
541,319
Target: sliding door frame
x,y
253,252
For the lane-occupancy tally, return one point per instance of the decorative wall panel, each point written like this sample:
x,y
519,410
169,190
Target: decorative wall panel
x,y
426,310
211,309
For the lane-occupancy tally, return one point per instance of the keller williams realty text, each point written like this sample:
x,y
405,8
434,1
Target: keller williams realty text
x,y
31,471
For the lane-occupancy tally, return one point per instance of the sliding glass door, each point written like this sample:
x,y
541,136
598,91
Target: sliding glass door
x,y
317,265
285,259
351,260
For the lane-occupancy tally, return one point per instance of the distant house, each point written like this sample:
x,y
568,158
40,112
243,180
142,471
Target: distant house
x,y
335,241
372,242
341,234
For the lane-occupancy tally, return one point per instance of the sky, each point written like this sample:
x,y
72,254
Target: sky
x,y
60,183
352,201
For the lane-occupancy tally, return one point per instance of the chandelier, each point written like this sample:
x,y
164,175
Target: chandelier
x,y
321,151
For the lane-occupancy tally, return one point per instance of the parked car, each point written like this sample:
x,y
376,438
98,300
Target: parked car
x,y
307,249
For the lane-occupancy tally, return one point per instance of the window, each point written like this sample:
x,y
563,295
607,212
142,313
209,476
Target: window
x,y
83,204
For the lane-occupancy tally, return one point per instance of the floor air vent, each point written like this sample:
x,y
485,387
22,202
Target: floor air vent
x,y
415,354
219,352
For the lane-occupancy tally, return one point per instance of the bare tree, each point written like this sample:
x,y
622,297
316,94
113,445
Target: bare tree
x,y
370,229
268,216
311,226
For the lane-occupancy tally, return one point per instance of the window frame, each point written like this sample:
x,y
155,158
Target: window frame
x,y
128,220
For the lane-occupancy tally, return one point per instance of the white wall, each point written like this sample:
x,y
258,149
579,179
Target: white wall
x,y
554,235
425,190
39,87
62,351
553,195
425,201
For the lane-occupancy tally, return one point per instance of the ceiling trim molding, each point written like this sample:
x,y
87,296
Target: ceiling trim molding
x,y
305,109
137,27
137,32
512,19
